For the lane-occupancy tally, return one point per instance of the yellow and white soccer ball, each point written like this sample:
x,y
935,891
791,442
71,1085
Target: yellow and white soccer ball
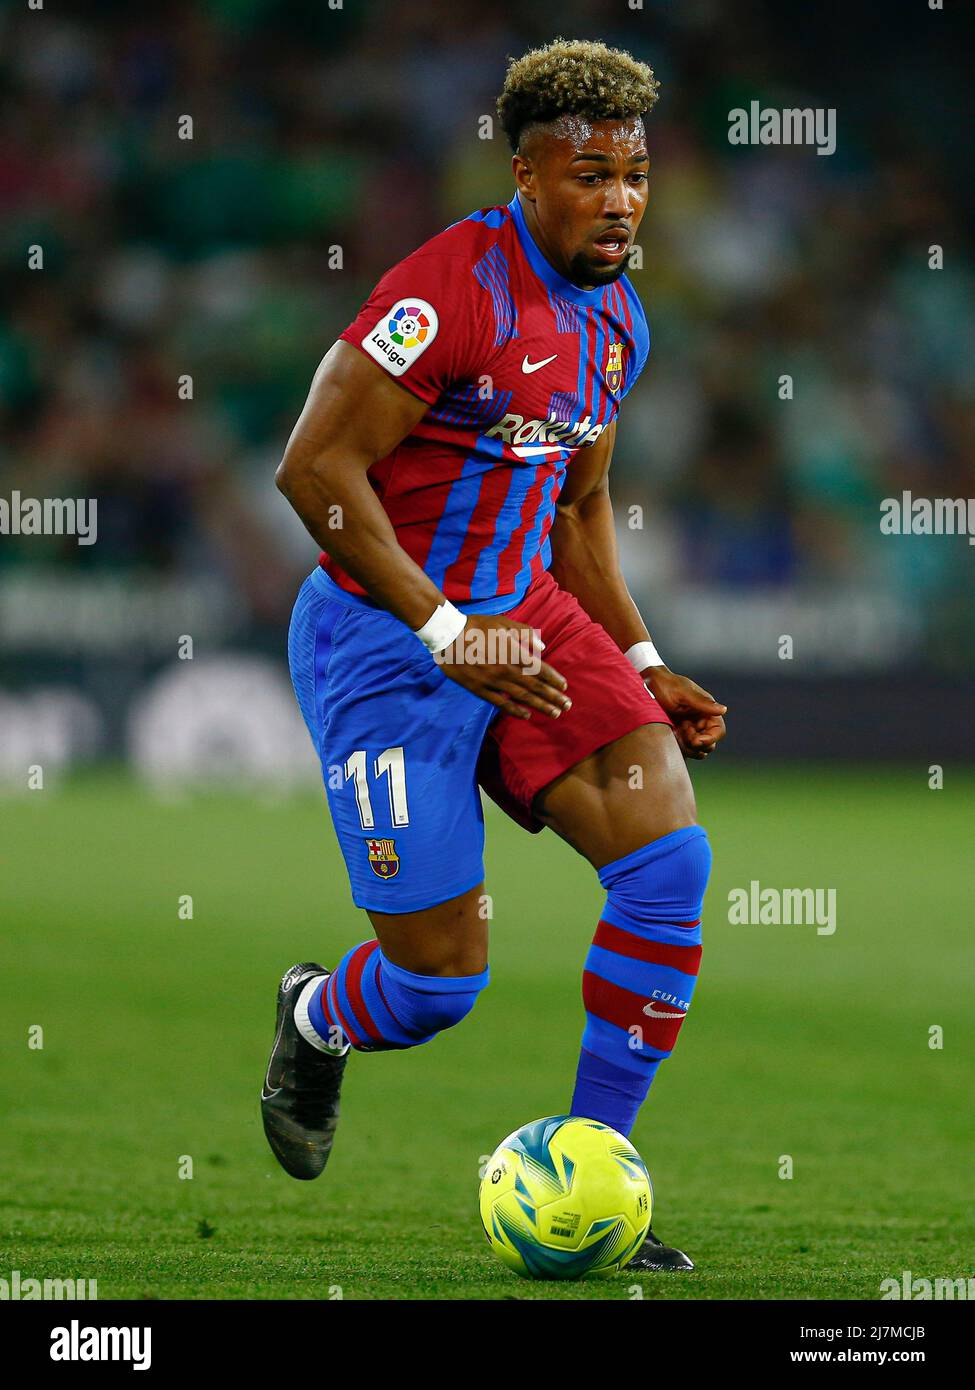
x,y
565,1197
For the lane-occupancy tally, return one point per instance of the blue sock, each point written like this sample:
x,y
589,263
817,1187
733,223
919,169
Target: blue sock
x,y
376,1006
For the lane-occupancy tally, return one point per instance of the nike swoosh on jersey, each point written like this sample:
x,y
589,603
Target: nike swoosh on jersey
x,y
529,367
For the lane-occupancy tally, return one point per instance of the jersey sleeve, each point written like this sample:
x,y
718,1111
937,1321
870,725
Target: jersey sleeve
x,y
425,324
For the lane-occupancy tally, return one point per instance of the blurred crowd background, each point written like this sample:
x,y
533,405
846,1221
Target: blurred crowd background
x,y
329,142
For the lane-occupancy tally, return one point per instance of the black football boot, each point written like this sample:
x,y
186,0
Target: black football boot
x,y
653,1255
300,1095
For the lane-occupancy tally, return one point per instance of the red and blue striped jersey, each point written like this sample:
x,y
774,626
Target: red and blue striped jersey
x,y
519,369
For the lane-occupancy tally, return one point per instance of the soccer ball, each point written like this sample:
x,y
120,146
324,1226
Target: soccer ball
x,y
564,1197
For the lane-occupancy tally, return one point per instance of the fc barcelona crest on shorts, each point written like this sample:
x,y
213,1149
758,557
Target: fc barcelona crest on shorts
x,y
614,367
383,859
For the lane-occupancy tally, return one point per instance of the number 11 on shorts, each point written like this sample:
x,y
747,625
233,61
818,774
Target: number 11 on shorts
x,y
392,764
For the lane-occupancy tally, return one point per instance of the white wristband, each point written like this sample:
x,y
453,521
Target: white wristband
x,y
444,626
644,654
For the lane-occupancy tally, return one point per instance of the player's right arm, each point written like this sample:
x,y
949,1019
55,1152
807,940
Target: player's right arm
x,y
354,416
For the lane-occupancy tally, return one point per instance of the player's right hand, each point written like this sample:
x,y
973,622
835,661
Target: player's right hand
x,y
501,661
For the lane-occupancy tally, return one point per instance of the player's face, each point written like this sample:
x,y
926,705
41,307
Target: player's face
x,y
584,187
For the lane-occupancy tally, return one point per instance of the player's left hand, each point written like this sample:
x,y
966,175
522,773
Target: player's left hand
x,y
698,717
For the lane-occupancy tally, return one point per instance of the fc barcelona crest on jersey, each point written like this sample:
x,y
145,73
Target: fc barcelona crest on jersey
x,y
614,367
383,859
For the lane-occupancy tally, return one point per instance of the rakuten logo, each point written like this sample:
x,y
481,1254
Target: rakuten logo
x,y
517,431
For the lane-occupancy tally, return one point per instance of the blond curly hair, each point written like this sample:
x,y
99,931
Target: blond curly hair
x,y
579,77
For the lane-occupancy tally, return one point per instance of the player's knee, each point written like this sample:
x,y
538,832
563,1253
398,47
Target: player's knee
x,y
445,1011
663,882
428,1004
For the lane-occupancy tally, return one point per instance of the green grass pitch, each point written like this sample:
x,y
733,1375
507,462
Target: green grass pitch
x,y
156,1032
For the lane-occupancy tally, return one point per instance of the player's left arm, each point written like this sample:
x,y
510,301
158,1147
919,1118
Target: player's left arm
x,y
585,561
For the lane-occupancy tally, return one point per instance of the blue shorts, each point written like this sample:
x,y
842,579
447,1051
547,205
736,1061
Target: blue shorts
x,y
398,743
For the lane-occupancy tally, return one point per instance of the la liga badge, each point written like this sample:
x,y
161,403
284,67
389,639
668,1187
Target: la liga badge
x,y
402,334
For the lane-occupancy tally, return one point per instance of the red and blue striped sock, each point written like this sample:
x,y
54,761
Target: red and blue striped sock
x,y
640,973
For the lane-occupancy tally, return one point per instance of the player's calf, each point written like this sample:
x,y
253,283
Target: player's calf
x,y
640,972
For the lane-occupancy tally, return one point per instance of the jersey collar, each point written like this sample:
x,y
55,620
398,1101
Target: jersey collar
x,y
547,273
